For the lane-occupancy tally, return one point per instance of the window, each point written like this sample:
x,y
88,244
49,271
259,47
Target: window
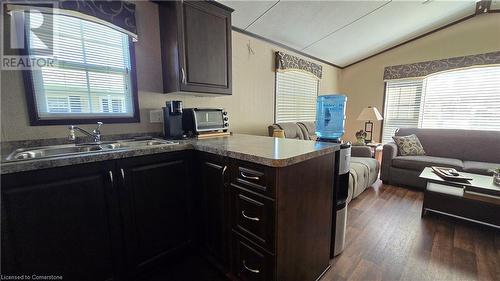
x,y
402,106
459,99
114,105
296,94
92,78
64,104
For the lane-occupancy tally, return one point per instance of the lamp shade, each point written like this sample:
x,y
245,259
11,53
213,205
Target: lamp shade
x,y
370,113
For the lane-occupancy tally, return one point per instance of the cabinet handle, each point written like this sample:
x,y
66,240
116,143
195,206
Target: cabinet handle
x,y
224,172
111,176
249,218
249,269
249,177
123,174
183,75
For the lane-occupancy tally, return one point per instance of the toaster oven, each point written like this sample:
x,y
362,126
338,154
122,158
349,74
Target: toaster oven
x,y
201,120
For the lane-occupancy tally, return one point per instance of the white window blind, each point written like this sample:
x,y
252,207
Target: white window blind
x,y
459,99
296,94
92,65
462,99
402,106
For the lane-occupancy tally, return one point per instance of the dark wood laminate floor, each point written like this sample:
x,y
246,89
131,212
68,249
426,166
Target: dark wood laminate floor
x,y
387,240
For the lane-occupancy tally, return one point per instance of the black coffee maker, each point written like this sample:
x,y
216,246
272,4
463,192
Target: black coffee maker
x,y
172,120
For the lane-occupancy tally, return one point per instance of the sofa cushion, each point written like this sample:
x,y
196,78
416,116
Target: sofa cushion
x,y
471,145
361,151
482,168
360,173
363,173
408,145
308,130
373,167
292,130
418,163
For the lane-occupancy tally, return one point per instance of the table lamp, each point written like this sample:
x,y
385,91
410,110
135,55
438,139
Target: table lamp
x,y
368,114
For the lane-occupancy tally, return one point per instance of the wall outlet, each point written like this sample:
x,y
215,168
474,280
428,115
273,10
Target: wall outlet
x,y
156,116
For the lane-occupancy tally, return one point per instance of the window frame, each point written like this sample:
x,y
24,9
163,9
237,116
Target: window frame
x,y
318,84
36,120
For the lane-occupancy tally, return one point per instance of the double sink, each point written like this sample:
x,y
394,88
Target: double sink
x,y
72,149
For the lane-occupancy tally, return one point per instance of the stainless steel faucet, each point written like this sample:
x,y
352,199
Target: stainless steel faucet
x,y
96,133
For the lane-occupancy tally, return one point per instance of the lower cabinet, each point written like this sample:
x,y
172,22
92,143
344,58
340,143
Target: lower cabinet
x,y
154,196
101,221
281,219
268,223
63,222
249,262
118,220
214,217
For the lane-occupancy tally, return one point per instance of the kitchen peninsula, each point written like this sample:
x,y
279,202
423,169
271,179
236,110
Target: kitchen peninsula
x,y
258,208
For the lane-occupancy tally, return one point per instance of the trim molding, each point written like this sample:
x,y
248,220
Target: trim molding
x,y
422,69
286,62
242,31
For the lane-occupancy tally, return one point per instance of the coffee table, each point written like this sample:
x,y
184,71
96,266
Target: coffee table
x,y
477,200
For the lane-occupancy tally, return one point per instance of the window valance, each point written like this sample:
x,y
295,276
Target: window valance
x,y
422,69
119,15
286,62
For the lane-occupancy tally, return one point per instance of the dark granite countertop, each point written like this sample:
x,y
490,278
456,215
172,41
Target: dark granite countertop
x,y
263,150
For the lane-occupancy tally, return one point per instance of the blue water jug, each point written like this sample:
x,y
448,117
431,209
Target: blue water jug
x,y
330,117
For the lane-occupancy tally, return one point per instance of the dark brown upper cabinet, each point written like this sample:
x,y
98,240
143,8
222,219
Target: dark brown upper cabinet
x,y
196,46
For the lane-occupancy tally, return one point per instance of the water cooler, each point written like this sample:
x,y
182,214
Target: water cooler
x,y
330,122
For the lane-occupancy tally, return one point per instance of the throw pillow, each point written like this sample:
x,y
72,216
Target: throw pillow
x,y
409,145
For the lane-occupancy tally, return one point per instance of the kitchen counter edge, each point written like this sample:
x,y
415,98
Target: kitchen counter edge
x,y
31,165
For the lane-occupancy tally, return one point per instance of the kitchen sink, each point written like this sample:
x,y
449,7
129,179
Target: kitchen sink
x,y
137,143
71,149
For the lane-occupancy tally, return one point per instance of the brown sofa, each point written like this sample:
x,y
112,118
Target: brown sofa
x,y
465,150
364,169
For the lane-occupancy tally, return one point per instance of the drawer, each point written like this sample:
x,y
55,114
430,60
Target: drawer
x,y
252,215
254,176
250,262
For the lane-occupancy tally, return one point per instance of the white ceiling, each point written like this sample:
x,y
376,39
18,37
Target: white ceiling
x,y
343,32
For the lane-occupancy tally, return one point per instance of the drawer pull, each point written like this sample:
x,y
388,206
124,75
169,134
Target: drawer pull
x,y
249,269
249,218
249,177
111,179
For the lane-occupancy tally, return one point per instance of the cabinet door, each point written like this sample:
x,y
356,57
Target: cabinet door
x,y
214,207
205,48
61,221
154,192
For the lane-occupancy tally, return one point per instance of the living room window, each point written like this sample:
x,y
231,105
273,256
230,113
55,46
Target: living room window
x,y
296,94
458,99
93,77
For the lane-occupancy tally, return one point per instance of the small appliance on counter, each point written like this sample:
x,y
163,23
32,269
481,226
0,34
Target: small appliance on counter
x,y
330,121
172,120
205,121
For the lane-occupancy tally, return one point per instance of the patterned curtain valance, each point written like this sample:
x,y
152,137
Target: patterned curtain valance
x,y
422,69
287,62
119,15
